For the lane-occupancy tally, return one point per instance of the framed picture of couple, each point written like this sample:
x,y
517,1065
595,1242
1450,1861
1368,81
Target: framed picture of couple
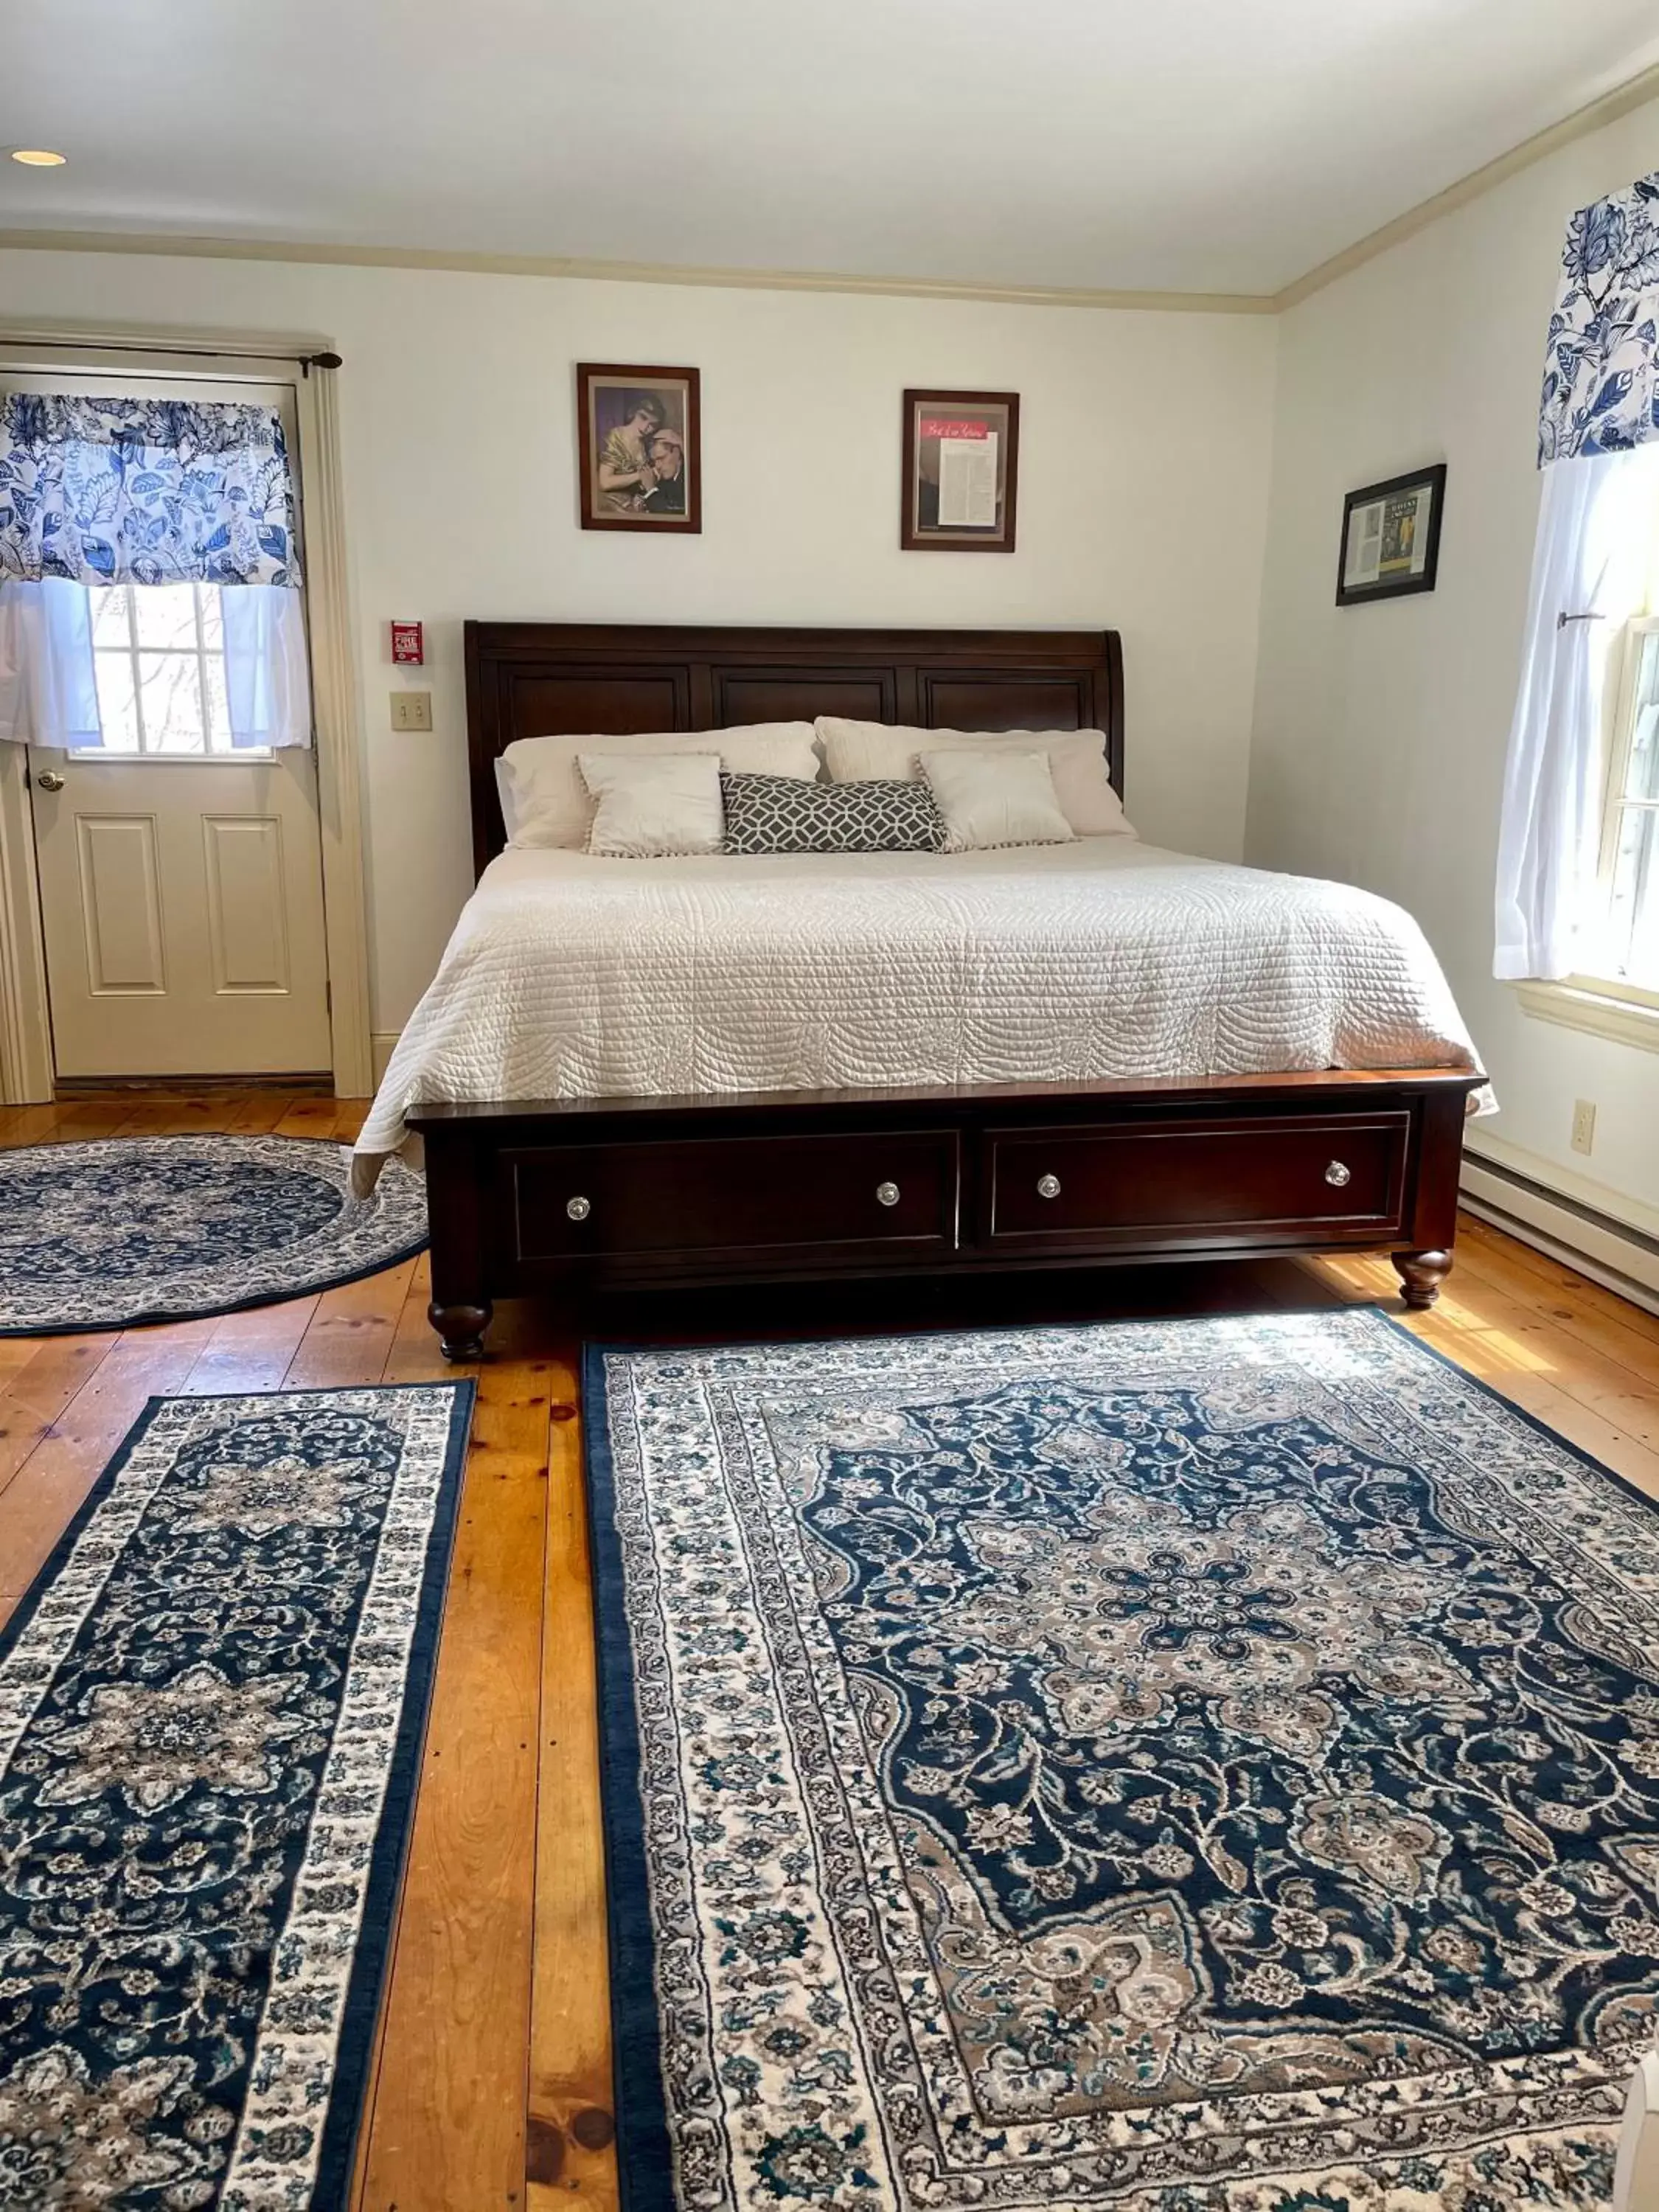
x,y
640,449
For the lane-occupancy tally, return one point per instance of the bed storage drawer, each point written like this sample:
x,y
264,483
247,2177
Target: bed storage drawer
x,y
1195,1181
750,1199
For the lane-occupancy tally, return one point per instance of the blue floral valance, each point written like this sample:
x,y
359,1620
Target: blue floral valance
x,y
1601,373
144,491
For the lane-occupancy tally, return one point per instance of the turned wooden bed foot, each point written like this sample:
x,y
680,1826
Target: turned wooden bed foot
x,y
1421,1274
460,1329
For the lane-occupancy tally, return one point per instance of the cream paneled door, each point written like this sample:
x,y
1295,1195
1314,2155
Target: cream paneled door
x,y
183,904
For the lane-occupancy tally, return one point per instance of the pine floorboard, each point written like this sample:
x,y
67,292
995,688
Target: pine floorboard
x,y
491,2083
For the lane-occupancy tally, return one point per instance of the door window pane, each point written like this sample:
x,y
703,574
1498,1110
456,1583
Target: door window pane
x,y
117,700
217,706
110,618
166,616
170,702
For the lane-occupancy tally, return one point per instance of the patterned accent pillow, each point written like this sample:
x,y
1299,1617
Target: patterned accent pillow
x,y
780,814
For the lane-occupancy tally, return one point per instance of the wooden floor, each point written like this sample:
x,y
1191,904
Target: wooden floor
x,y
492,2083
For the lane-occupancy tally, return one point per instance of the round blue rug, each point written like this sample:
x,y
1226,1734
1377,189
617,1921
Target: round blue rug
x,y
148,1228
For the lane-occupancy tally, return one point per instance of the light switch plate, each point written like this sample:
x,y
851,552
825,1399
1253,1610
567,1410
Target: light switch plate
x,y
412,710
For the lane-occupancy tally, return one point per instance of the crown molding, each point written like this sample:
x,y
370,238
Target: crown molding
x,y
255,349
167,244
1622,100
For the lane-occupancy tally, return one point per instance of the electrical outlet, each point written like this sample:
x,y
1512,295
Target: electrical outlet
x,y
412,710
1583,1125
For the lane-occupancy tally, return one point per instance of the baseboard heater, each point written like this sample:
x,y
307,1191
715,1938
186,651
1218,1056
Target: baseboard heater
x,y
1609,1251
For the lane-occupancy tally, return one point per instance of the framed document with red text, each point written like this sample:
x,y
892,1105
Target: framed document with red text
x,y
961,469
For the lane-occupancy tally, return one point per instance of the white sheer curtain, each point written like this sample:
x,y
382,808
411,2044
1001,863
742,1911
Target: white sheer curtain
x,y
267,678
1594,528
49,682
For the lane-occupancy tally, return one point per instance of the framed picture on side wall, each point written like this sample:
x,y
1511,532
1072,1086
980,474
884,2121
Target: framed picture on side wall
x,y
1391,537
639,446
961,471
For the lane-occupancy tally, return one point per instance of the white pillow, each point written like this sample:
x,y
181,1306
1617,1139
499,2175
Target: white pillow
x,y
991,797
654,803
544,800
859,751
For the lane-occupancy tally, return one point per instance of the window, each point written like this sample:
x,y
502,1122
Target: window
x,y
181,491
1625,931
159,653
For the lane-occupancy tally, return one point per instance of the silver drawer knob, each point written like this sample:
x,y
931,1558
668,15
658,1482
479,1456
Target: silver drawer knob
x,y
578,1208
887,1194
1047,1186
1339,1173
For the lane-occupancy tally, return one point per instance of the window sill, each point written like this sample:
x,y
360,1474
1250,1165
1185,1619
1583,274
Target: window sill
x,y
107,757
1574,1007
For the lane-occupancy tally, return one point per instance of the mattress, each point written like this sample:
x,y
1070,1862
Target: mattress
x,y
569,977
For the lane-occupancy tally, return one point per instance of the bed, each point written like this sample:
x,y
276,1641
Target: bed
x,y
644,1074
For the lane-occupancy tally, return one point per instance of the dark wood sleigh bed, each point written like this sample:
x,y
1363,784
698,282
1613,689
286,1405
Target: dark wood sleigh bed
x,y
563,1197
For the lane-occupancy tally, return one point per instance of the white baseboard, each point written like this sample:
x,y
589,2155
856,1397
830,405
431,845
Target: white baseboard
x,y
381,1044
1612,1238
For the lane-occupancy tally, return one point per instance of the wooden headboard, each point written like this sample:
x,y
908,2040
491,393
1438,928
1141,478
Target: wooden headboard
x,y
554,679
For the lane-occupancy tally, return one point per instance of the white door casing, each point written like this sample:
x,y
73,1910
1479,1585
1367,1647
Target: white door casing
x,y
181,885
246,844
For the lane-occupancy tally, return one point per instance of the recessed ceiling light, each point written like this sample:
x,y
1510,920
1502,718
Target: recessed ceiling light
x,y
37,157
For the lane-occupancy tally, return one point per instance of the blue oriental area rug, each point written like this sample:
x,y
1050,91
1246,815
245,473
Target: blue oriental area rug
x,y
128,1229
211,1708
1207,1766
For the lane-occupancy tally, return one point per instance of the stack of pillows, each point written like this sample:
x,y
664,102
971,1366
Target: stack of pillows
x,y
759,790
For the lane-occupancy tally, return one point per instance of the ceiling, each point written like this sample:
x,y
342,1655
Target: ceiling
x,y
1173,145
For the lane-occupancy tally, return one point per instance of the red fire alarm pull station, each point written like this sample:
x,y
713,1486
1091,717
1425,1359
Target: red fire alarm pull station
x,y
406,646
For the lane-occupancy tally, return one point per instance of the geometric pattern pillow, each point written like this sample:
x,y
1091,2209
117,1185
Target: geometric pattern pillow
x,y
781,814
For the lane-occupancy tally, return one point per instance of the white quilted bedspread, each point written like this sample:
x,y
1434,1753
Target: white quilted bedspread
x,y
573,977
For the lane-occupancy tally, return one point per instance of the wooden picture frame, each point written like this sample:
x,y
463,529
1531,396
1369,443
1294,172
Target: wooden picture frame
x,y
639,443
1393,550
943,472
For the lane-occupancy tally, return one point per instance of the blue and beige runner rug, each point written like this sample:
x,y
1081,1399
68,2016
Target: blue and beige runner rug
x,y
211,1708
1207,1766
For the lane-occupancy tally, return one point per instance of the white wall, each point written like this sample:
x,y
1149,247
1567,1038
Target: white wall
x,y
1143,481
1380,730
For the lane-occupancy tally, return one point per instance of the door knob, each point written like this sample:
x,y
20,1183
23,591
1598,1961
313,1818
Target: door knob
x,y
49,780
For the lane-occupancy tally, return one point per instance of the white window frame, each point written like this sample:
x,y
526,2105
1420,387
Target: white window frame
x,y
181,358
